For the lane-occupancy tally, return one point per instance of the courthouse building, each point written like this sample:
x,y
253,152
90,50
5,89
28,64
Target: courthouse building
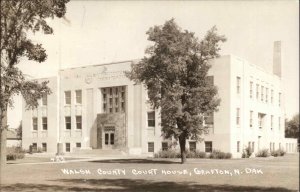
x,y
98,107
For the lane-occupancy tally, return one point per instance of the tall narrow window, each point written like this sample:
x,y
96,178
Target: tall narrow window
x,y
251,118
237,116
44,147
68,147
267,90
253,143
279,99
112,138
238,146
78,96
192,146
78,122
44,99
151,119
271,122
257,91
272,92
68,97
262,93
34,147
251,89
279,123
260,120
68,122
238,85
150,146
208,146
34,123
164,146
44,122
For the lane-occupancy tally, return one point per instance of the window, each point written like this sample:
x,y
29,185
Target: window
x,y
260,120
272,96
279,145
238,85
35,123
78,145
34,147
68,147
262,93
238,146
44,99
237,116
251,118
193,146
267,90
151,119
44,122
209,118
78,122
68,122
271,147
44,147
68,97
78,96
208,146
112,138
106,138
113,101
253,143
257,91
164,146
279,123
271,122
279,99
150,146
251,89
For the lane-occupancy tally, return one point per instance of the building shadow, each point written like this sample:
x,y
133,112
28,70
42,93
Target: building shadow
x,y
132,185
139,161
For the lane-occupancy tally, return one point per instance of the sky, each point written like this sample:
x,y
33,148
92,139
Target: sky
x,y
95,32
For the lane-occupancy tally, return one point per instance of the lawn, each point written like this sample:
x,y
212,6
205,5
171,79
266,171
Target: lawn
x,y
257,174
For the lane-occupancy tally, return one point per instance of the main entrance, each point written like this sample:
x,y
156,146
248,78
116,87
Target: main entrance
x,y
111,131
109,137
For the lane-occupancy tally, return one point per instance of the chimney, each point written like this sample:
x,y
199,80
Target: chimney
x,y
277,58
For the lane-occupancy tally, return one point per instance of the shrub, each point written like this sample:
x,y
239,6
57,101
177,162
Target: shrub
x,y
167,154
263,153
171,153
278,152
247,152
217,154
14,153
200,154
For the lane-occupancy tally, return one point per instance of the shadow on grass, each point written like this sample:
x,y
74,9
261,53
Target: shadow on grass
x,y
141,161
124,185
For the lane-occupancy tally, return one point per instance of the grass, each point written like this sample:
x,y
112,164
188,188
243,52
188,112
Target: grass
x,y
279,174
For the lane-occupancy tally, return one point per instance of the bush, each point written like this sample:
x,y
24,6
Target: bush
x,y
217,154
278,152
171,153
167,154
247,152
14,153
263,153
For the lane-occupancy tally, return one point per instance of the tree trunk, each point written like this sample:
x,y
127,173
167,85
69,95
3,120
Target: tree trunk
x,y
3,122
182,141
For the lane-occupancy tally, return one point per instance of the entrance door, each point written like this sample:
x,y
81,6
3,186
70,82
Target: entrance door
x,y
109,137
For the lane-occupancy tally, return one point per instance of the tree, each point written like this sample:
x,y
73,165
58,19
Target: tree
x,y
292,127
19,18
19,130
175,75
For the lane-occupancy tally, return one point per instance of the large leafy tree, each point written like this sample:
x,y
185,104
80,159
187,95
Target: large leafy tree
x,y
292,127
174,71
19,20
